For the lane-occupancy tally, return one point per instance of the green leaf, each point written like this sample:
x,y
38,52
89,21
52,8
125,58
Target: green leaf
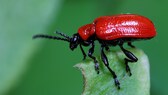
x,y
103,83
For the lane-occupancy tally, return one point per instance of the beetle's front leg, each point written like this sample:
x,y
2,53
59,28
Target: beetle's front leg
x,y
90,54
105,61
83,52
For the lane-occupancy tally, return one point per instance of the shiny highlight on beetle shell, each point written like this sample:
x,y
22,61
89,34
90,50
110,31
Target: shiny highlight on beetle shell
x,y
124,26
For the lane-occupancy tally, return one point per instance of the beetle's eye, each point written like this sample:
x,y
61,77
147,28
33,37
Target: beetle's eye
x,y
75,39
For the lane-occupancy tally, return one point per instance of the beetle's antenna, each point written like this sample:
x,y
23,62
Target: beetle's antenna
x,y
50,37
62,34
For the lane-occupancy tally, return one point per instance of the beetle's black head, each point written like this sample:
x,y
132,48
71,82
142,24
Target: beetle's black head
x,y
74,41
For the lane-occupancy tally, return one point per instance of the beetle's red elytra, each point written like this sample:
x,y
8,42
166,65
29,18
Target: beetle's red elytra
x,y
119,26
109,31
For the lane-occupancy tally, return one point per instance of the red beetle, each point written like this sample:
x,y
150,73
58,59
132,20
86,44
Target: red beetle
x,y
110,31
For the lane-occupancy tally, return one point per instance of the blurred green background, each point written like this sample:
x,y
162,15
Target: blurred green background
x,y
45,67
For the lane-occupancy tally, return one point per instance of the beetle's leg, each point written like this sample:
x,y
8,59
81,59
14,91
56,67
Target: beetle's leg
x,y
91,50
83,52
131,58
130,44
105,61
107,48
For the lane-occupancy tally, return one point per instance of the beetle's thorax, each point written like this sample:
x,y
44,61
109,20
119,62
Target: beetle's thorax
x,y
86,31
